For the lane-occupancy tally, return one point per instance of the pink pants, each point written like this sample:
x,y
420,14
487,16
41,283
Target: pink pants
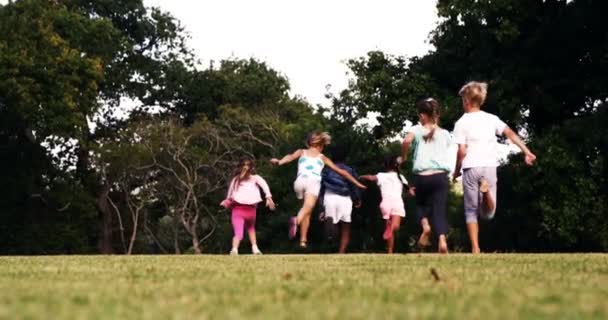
x,y
243,217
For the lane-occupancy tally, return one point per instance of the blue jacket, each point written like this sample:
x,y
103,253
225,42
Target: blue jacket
x,y
332,181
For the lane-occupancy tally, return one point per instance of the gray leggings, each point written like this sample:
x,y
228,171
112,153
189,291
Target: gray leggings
x,y
472,195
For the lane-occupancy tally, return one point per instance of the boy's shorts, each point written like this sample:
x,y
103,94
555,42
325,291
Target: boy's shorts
x,y
472,195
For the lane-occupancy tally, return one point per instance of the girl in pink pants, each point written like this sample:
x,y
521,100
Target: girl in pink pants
x,y
243,197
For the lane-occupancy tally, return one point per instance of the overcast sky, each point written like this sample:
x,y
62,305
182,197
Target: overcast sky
x,y
307,41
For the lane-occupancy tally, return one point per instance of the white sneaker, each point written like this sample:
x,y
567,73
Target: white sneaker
x,y
234,252
256,251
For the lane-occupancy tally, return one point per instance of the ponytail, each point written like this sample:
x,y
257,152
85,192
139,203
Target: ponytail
x,y
402,178
391,163
430,107
238,171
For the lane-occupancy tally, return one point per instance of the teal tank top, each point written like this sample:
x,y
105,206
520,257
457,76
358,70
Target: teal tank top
x,y
433,155
310,166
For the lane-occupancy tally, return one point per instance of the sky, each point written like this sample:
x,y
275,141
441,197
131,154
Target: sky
x,y
307,41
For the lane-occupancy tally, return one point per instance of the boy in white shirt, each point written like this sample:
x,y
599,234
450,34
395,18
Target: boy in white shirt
x,y
475,133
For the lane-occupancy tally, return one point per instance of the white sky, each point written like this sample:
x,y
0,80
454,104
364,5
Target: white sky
x,y
307,41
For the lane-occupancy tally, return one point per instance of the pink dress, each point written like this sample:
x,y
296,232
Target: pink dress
x,y
391,187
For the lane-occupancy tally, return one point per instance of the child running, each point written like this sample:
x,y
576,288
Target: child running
x,y
431,159
243,197
337,197
391,185
475,133
308,182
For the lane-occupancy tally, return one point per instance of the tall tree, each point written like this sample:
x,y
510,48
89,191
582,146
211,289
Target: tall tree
x,y
65,65
546,62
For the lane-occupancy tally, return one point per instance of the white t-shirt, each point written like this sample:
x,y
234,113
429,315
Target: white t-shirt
x,y
478,131
391,185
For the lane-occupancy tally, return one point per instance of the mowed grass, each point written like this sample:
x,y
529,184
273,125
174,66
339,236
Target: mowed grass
x,y
498,286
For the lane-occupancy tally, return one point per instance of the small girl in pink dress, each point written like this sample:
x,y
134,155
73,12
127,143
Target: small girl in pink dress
x,y
391,185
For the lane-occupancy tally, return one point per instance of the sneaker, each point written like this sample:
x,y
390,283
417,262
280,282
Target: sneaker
x,y
234,252
293,227
303,245
388,231
256,251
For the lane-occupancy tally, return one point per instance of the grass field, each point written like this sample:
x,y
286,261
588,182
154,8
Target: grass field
x,y
504,286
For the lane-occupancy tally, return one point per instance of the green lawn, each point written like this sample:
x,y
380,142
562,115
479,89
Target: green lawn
x,y
499,286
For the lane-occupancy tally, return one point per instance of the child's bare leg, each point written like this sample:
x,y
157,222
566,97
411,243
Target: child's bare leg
x,y
396,220
487,202
344,236
390,245
423,241
395,224
304,225
443,244
252,238
303,217
254,242
235,243
473,229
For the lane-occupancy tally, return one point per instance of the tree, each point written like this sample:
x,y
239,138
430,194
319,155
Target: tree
x,y
384,85
545,62
66,64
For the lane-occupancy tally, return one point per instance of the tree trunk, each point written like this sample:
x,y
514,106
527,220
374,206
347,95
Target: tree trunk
x,y
134,232
176,235
195,243
105,219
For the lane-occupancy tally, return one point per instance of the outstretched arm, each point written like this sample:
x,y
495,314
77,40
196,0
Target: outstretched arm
x,y
369,177
287,159
405,146
511,135
342,172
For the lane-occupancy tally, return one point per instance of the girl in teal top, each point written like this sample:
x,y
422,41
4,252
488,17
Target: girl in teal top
x,y
308,182
430,147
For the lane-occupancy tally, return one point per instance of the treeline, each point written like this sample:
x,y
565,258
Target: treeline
x,y
81,173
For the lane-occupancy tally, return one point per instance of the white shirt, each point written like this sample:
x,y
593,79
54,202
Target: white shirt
x,y
390,185
478,131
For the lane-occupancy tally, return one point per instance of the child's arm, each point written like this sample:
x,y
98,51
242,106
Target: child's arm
x,y
462,152
355,194
369,177
460,139
226,202
511,135
342,172
264,185
287,159
405,146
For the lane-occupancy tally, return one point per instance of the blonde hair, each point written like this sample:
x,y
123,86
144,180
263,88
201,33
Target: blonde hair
x,y
475,92
318,139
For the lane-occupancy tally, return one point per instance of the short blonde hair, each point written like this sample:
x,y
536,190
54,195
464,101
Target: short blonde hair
x,y
475,92
318,138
